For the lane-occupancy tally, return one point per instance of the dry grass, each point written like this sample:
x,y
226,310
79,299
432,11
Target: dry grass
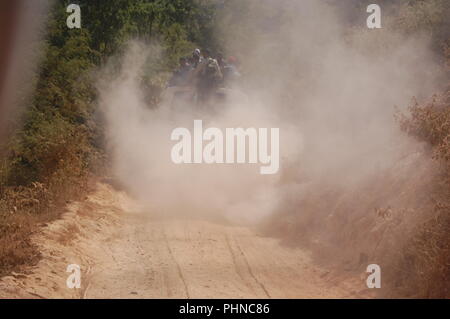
x,y
399,218
427,255
24,209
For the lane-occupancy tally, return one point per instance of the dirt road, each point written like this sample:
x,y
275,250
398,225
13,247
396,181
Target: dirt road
x,y
128,254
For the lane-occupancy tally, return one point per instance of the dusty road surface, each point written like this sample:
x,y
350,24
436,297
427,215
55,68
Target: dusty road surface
x,y
124,253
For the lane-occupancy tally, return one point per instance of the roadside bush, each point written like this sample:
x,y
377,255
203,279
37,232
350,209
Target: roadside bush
x,y
426,258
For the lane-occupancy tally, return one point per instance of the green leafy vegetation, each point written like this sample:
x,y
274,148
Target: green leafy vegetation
x,y
51,158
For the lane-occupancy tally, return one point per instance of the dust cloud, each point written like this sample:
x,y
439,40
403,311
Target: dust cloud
x,y
331,90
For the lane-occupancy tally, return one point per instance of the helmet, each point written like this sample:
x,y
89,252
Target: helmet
x,y
232,60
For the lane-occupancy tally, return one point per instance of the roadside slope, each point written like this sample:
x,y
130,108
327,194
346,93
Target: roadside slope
x,y
76,238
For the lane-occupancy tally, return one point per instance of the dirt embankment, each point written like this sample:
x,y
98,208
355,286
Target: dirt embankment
x,y
76,238
383,219
125,253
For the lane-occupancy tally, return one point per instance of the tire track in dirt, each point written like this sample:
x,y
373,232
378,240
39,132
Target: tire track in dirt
x,y
260,284
180,272
234,258
248,268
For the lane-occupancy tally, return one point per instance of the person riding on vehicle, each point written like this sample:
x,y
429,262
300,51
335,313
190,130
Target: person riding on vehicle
x,y
230,71
181,76
208,76
196,58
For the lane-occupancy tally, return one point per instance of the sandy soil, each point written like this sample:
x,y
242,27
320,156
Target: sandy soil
x,y
124,253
